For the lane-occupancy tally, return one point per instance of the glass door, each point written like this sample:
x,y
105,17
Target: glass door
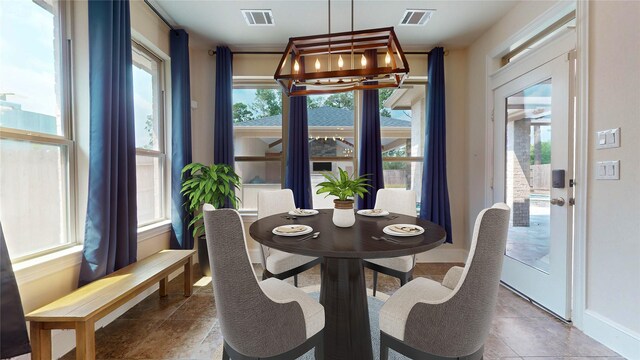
x,y
533,166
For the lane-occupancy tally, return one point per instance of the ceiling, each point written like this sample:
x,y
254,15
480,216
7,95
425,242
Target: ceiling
x,y
455,24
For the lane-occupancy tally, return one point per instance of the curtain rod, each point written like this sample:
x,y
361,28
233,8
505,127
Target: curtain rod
x,y
159,15
213,52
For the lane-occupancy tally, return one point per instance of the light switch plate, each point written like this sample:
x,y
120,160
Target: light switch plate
x,y
608,170
608,139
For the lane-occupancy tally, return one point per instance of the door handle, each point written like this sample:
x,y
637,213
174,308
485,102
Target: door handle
x,y
558,202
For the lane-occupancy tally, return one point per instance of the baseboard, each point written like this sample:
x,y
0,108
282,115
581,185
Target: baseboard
x,y
615,336
443,255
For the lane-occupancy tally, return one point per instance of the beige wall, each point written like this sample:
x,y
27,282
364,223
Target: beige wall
x,y
613,213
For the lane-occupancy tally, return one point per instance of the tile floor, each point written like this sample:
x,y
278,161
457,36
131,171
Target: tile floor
x,y
176,327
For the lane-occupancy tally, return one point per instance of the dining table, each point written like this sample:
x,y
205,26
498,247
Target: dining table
x,y
343,293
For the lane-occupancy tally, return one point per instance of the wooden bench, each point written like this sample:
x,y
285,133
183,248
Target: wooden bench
x,y
82,308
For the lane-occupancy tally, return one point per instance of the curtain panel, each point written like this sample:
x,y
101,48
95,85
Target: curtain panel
x,y
14,340
370,141
223,116
435,193
111,225
297,170
181,155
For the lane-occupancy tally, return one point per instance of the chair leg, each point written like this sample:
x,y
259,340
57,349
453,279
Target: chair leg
x,y
384,349
295,280
225,356
320,348
375,282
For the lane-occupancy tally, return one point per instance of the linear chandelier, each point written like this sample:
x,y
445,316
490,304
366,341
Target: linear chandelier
x,y
346,61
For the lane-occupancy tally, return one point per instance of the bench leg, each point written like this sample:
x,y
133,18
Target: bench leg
x,y
164,283
40,341
85,340
188,281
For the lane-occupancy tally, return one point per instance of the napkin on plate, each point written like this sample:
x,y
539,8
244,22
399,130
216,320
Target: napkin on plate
x,y
290,229
302,212
376,211
404,229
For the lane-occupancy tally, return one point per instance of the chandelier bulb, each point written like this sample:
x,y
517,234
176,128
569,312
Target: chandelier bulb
x,y
340,62
296,66
387,59
317,64
363,61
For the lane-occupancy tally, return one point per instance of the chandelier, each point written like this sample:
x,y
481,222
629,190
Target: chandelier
x,y
346,61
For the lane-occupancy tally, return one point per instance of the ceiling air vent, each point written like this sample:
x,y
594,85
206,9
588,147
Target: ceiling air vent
x,y
258,17
416,17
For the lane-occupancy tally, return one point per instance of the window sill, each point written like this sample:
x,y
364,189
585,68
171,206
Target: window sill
x,y
152,230
36,268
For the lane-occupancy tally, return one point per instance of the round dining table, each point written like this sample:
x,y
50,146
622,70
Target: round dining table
x,y
343,293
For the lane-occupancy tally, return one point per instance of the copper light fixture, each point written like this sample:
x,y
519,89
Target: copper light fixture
x,y
316,64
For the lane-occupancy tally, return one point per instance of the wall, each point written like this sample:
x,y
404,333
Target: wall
x,y
612,313
47,278
613,207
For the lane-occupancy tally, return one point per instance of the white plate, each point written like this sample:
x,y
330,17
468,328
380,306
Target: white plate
x,y
303,212
369,212
389,230
304,230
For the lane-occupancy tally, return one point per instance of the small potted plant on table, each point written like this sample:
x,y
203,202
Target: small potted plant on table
x,y
345,188
214,184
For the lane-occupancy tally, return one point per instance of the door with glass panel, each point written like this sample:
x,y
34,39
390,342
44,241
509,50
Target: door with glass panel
x,y
533,167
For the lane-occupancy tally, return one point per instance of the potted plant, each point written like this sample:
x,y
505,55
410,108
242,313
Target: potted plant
x,y
345,188
214,184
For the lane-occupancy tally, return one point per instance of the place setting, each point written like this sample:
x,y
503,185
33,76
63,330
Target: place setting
x,y
295,233
294,214
402,233
376,213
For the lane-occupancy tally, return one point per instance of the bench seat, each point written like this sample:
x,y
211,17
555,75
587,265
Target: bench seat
x,y
80,309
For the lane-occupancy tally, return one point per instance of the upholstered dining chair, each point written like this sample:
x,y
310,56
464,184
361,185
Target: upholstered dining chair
x,y
401,202
279,264
426,319
259,320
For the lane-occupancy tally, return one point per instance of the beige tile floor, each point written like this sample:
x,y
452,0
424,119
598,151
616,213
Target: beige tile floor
x,y
175,327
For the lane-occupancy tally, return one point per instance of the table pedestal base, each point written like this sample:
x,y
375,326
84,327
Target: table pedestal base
x,y
347,333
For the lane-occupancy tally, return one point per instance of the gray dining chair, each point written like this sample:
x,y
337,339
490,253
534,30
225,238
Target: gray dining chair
x,y
426,319
259,320
401,267
276,263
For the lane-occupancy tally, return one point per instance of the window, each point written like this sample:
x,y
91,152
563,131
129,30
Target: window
x,y
148,93
36,147
331,139
257,139
402,119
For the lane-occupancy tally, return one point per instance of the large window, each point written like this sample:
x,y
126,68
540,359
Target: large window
x,y
148,102
36,148
333,138
257,139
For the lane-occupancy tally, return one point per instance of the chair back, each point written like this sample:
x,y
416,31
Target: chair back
x,y
397,201
272,202
247,315
463,319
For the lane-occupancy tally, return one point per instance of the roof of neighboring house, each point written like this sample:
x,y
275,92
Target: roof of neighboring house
x,y
325,116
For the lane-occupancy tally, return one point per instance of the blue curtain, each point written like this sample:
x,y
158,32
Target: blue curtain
x,y
370,142
14,340
297,172
181,237
223,119
111,226
435,194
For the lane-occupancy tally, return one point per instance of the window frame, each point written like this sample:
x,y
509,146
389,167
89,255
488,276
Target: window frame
x,y
66,139
161,153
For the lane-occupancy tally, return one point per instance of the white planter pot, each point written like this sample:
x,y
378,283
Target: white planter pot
x,y
343,217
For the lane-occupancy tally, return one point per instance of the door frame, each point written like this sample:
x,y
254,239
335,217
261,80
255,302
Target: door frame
x,y
561,45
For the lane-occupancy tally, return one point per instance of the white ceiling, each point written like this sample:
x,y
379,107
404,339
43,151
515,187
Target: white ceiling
x,y
455,24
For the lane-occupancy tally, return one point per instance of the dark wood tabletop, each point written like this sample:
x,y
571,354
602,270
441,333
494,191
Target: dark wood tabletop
x,y
352,242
